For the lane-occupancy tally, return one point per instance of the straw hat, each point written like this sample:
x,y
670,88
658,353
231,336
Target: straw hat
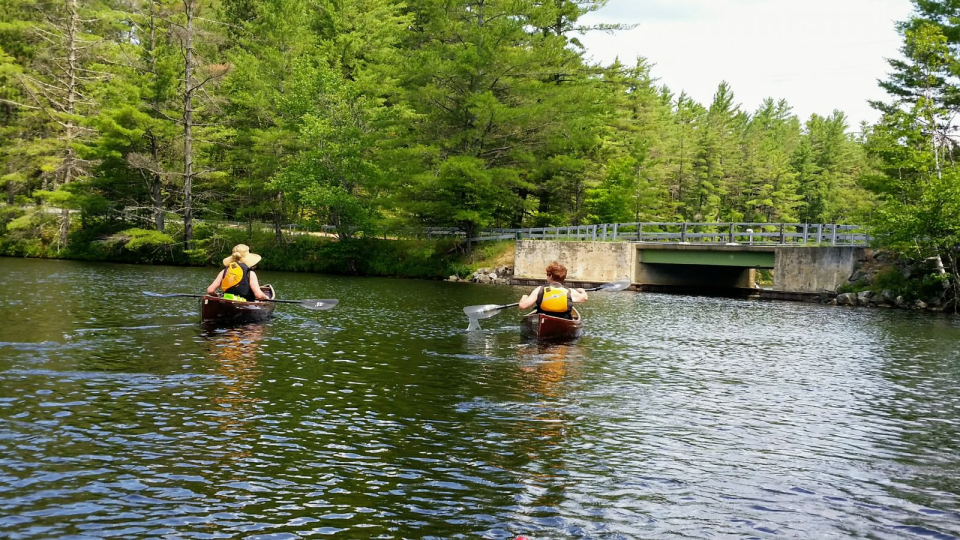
x,y
241,253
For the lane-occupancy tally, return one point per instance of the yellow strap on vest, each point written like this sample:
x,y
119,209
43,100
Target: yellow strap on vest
x,y
232,276
555,300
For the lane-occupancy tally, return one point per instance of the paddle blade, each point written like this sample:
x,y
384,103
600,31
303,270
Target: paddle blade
x,y
320,305
618,285
482,312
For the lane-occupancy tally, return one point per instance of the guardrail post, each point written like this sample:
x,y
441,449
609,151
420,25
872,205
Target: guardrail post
x,y
782,239
819,233
805,232
683,232
604,232
594,233
639,232
730,233
833,240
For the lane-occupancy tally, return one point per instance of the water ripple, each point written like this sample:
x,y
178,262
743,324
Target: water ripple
x,y
673,417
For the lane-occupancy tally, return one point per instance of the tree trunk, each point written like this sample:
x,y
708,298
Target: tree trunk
x,y
69,161
188,127
156,192
468,246
156,187
278,219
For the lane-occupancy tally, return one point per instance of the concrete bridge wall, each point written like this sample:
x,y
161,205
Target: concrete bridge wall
x,y
585,261
815,269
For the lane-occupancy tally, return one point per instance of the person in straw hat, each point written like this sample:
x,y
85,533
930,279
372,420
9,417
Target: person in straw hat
x,y
238,280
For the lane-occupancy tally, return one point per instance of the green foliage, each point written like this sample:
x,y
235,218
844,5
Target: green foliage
x,y
379,116
918,181
136,239
855,287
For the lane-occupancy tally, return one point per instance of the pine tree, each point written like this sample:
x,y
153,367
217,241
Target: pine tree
x,y
913,143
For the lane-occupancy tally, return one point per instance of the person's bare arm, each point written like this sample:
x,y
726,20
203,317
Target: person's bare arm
x,y
255,287
216,283
578,295
529,300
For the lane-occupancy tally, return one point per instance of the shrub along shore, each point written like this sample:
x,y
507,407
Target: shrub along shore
x,y
419,258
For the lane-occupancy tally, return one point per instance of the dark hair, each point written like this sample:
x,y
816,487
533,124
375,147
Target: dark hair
x,y
557,272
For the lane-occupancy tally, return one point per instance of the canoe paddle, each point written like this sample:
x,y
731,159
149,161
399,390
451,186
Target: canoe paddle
x,y
320,305
489,310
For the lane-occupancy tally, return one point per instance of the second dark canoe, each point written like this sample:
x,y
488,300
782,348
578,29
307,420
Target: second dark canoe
x,y
546,328
216,310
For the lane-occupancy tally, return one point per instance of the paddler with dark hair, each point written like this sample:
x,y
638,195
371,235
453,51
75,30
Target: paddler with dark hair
x,y
553,298
238,280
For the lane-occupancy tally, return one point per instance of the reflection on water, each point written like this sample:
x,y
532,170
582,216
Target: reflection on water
x,y
672,417
234,350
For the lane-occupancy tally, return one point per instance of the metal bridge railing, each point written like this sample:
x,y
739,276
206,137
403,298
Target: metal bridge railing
x,y
686,232
773,234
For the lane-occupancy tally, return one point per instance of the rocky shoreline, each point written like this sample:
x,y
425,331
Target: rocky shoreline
x,y
887,299
498,275
882,280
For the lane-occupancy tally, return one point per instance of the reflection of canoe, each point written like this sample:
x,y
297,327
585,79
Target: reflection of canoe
x,y
216,310
546,328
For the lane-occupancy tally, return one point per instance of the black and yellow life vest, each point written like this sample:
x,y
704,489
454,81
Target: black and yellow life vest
x,y
555,300
236,281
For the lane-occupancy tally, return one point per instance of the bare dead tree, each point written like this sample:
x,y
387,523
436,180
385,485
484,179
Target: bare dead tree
x,y
56,91
192,86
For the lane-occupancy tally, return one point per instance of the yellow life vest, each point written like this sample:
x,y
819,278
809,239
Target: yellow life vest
x,y
555,299
231,276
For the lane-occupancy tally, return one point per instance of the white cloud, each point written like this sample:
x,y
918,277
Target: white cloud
x,y
819,55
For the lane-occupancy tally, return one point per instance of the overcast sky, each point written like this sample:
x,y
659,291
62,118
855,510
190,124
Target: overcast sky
x,y
819,55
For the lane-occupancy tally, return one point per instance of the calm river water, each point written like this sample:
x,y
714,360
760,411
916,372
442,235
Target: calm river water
x,y
672,417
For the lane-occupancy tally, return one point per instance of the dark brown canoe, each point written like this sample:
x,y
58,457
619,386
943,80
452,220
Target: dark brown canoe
x,y
216,310
546,328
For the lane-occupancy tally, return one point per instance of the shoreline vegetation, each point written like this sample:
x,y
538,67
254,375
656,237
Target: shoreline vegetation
x,y
128,128
884,279
409,258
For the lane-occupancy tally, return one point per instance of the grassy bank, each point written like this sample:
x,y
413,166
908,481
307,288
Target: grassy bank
x,y
424,259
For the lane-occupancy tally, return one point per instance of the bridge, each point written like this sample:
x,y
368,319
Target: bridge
x,y
801,265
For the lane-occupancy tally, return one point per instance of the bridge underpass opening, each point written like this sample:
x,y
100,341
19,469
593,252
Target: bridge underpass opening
x,y
711,269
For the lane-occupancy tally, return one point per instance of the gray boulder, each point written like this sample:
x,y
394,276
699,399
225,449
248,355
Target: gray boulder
x,y
887,297
847,299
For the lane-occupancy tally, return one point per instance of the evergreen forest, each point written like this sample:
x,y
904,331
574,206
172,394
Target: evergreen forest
x,y
148,122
